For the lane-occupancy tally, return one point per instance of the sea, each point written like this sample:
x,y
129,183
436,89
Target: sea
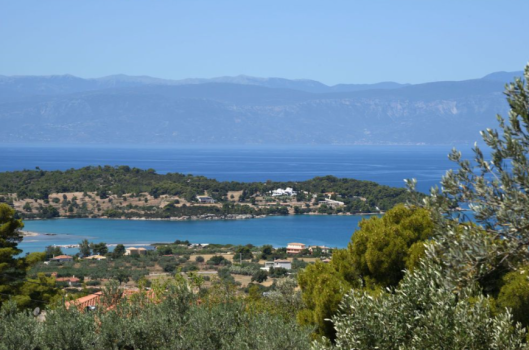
x,y
387,165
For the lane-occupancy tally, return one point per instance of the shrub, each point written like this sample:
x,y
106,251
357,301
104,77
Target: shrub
x,y
260,276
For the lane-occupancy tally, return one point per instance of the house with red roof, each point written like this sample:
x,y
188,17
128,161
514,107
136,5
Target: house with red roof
x,y
62,258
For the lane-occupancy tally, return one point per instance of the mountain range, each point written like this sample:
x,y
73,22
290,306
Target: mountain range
x,y
121,109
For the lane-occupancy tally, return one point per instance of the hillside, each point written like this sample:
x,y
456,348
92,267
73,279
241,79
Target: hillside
x,y
245,110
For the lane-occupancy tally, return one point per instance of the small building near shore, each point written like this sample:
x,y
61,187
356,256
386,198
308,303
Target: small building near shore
x,y
295,248
205,199
62,258
284,192
332,203
135,251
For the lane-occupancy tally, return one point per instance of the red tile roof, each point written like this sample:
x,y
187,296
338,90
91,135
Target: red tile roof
x,y
95,299
89,300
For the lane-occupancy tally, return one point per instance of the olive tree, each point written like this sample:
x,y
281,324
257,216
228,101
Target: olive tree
x,y
442,301
495,190
423,312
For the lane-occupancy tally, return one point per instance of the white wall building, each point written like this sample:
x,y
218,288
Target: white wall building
x,y
276,264
332,203
205,199
284,192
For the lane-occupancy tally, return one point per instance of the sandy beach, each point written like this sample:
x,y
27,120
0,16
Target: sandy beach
x,y
29,233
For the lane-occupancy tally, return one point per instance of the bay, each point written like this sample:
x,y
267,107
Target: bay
x,y
333,231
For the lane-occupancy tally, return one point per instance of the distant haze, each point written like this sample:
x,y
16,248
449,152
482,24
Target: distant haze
x,y
122,109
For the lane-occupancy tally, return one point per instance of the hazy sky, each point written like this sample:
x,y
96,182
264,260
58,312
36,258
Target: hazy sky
x,y
330,41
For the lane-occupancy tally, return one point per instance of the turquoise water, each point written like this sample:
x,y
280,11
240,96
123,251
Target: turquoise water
x,y
333,231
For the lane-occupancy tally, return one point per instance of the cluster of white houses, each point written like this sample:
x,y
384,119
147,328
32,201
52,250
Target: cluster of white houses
x,y
296,248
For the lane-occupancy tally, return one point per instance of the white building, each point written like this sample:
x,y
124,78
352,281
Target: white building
x,y
284,192
277,264
332,203
135,251
205,199
324,249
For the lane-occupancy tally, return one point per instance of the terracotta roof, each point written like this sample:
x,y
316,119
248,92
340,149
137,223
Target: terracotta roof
x,y
89,300
95,299
62,257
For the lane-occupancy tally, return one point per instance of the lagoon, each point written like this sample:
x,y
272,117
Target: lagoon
x,y
333,231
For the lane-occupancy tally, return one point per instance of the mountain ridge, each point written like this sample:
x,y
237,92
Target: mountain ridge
x,y
123,109
123,80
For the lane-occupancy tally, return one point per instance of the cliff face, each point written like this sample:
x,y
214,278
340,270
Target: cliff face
x,y
225,113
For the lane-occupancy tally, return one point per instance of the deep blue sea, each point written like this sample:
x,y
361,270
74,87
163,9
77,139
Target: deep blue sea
x,y
388,165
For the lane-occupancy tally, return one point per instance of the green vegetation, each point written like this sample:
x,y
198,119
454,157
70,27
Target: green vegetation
x,y
375,259
180,319
384,247
420,277
471,284
14,284
130,192
125,268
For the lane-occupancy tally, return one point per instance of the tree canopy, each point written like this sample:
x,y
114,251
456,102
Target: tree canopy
x,y
375,258
12,269
471,284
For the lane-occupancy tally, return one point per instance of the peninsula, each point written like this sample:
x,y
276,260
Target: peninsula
x,y
132,193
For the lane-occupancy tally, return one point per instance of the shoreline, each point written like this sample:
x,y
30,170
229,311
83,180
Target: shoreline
x,y
205,217
29,233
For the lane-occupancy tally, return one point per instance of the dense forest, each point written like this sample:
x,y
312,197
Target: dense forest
x,y
123,191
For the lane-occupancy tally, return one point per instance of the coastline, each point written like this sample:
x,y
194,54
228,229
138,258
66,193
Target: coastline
x,y
29,233
205,217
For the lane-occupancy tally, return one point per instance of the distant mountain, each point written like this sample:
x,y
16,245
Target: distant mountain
x,y
504,77
245,110
60,84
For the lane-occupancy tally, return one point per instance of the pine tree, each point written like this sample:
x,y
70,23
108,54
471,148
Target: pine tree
x,y
12,269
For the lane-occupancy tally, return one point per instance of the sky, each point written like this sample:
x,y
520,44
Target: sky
x,y
330,41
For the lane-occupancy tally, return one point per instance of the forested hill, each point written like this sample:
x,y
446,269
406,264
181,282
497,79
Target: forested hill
x,y
131,192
